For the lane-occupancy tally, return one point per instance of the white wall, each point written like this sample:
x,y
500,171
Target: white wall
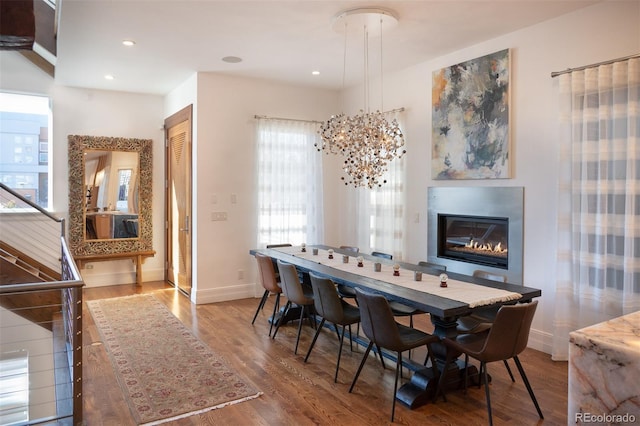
x,y
602,32
224,166
96,113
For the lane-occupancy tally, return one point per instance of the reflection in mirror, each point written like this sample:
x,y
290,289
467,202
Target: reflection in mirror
x,y
111,188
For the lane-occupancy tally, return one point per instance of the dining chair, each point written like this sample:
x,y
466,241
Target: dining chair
x,y
482,319
381,254
382,330
402,310
344,291
275,265
435,266
278,245
293,291
506,339
270,283
333,309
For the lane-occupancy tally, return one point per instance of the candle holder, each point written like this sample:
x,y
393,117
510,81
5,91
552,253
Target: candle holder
x,y
443,280
377,266
360,261
396,270
345,258
314,250
417,275
330,253
304,247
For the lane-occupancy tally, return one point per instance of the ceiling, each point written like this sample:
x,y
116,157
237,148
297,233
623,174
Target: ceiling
x,y
277,40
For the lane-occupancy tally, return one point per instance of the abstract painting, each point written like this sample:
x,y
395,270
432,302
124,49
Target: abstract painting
x,y
470,119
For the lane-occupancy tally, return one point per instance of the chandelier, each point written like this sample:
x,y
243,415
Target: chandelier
x,y
367,141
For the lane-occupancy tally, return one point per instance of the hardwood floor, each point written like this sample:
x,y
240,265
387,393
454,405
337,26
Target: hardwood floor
x,y
298,393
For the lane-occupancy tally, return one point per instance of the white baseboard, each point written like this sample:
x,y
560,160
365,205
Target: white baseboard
x,y
541,341
223,294
93,279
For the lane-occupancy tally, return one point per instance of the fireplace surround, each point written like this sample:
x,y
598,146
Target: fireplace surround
x,y
473,228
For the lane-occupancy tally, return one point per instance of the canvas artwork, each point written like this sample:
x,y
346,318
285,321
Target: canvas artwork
x,y
470,119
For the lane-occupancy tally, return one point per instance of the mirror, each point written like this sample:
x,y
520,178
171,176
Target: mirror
x,y
111,188
109,195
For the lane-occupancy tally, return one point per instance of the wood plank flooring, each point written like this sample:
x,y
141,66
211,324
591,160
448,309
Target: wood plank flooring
x,y
299,393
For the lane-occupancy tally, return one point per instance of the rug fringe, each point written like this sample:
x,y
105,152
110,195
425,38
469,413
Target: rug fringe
x,y
204,410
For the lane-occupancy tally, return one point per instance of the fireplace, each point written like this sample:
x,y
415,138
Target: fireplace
x,y
477,228
474,239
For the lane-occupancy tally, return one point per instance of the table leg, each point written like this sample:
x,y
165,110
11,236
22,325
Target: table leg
x,y
422,387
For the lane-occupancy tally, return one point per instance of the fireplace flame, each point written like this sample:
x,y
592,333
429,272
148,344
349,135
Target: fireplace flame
x,y
486,247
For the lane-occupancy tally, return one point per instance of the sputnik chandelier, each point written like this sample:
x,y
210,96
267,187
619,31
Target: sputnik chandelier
x,y
367,141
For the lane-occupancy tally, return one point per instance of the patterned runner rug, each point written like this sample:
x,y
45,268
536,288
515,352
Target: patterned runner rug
x,y
165,372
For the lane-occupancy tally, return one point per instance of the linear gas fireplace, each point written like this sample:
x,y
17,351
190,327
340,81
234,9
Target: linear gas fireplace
x,y
477,228
475,239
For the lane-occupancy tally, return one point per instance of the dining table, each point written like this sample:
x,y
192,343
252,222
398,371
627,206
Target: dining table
x,y
398,281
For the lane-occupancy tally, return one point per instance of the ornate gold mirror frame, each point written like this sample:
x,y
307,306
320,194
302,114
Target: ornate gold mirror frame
x,y
77,196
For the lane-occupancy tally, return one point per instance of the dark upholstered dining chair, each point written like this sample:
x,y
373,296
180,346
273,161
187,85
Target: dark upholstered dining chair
x,y
293,291
333,309
481,320
344,291
382,330
507,338
382,255
269,281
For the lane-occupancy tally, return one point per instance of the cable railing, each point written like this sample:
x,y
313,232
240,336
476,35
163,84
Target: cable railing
x,y
40,318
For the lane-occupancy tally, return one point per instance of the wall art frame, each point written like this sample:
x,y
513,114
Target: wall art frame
x,y
471,118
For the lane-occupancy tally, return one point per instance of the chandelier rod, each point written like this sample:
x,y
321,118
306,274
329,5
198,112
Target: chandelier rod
x,y
381,75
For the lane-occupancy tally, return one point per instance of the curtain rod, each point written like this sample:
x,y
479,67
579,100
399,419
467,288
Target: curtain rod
x,y
568,70
265,117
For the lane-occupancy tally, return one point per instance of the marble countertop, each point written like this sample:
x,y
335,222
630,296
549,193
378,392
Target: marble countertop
x,y
622,333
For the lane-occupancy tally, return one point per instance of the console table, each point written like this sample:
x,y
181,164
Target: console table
x,y
137,257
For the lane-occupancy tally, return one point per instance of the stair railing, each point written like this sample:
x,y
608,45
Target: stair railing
x,y
40,322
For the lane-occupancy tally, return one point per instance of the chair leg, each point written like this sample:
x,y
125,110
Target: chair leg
x,y
313,342
485,377
286,309
395,386
276,305
265,295
364,359
381,357
335,378
295,351
466,372
506,364
350,338
526,383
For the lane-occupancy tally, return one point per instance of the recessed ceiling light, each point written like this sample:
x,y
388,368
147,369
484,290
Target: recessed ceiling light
x,y
231,59
128,43
315,72
109,77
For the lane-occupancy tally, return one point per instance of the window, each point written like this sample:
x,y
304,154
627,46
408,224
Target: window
x,y
24,132
381,214
289,183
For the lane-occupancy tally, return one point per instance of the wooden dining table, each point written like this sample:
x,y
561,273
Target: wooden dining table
x,y
423,295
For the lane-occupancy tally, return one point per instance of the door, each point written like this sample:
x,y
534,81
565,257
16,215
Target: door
x,y
178,199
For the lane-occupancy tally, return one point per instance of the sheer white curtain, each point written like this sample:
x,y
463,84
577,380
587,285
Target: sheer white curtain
x,y
598,276
289,183
380,211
